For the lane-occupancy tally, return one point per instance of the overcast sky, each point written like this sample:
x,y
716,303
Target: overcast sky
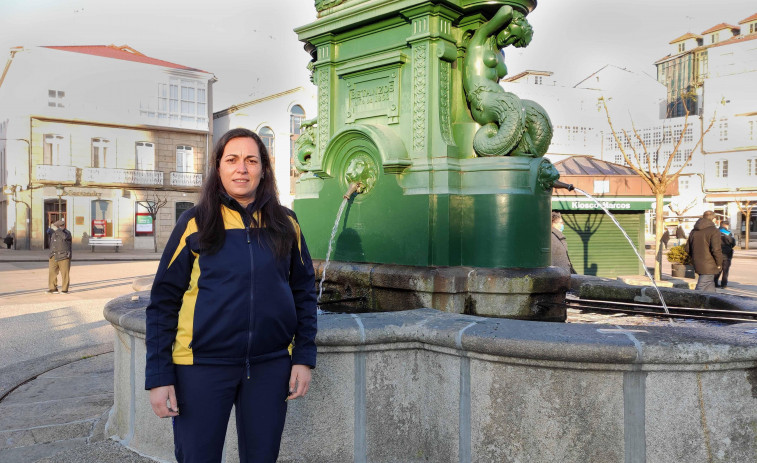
x,y
250,47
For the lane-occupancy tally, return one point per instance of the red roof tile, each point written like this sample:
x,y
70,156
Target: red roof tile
x,y
749,19
720,27
122,52
736,39
686,36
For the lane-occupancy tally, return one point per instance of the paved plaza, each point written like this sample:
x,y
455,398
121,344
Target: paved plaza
x,y
56,377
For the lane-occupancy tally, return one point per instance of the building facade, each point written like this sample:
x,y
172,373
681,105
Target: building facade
x,y
99,136
278,119
714,73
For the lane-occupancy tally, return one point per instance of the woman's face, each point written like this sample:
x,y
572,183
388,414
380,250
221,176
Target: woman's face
x,y
240,169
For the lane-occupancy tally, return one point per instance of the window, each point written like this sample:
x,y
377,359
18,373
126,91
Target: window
x,y
102,211
297,115
752,130
721,169
182,207
102,155
683,183
56,151
751,167
715,37
752,28
145,156
185,159
538,80
181,100
55,98
723,126
266,134
681,47
601,186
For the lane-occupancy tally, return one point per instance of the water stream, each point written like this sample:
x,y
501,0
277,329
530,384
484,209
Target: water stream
x,y
331,244
643,264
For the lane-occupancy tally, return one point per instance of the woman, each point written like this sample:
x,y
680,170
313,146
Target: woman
x,y
232,313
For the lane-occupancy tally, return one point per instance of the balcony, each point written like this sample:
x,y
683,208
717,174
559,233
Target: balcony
x,y
186,179
48,173
101,175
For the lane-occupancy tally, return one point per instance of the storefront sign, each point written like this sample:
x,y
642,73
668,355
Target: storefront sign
x,y
98,228
143,224
612,205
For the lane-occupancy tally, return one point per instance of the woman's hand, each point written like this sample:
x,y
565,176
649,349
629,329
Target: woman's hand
x,y
299,381
163,401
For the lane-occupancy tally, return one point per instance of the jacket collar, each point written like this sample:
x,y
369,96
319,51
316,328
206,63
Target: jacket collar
x,y
245,212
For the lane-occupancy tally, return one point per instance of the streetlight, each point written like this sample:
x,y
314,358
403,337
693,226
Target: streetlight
x,y
12,190
60,191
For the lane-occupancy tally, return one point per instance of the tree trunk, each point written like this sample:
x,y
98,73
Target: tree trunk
x,y
659,225
154,233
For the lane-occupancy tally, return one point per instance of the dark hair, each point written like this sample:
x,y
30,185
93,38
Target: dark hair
x,y
556,216
275,223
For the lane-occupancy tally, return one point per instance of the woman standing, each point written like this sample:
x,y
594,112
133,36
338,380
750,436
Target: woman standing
x,y
232,313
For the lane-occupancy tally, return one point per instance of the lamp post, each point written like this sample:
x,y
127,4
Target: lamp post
x,y
13,189
59,191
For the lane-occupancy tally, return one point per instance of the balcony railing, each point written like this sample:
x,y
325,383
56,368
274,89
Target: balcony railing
x,y
186,179
101,175
55,174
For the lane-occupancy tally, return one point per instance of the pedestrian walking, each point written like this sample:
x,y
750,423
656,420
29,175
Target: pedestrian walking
x,y
665,238
9,239
705,250
560,257
232,313
60,257
680,235
727,243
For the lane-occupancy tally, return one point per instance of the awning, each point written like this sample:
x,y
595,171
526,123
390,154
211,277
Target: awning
x,y
731,196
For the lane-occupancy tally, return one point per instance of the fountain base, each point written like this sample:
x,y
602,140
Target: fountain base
x,y
491,292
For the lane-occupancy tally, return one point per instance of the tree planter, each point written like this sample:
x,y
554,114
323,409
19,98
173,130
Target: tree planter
x,y
682,271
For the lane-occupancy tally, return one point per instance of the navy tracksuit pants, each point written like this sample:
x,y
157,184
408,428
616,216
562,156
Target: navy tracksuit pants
x,y
205,395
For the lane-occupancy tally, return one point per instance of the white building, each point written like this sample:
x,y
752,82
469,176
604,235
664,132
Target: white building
x,y
718,67
93,134
277,118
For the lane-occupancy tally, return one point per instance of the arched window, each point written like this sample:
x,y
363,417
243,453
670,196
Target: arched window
x,y
266,134
296,116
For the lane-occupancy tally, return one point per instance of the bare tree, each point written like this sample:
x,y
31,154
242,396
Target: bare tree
x,y
746,208
680,209
153,206
657,173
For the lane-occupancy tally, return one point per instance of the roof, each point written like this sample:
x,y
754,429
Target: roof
x,y
528,73
736,39
587,165
237,107
720,27
122,52
749,19
686,36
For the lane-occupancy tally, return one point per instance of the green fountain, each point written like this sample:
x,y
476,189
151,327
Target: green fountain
x,y
447,191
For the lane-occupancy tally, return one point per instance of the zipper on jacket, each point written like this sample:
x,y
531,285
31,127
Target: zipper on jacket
x,y
252,292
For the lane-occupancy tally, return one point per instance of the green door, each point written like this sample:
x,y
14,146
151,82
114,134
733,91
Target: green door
x,y
597,247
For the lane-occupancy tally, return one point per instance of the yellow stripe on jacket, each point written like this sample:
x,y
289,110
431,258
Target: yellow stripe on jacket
x,y
182,353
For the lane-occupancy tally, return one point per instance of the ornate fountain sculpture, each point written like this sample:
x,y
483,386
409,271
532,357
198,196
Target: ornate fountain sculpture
x,y
449,193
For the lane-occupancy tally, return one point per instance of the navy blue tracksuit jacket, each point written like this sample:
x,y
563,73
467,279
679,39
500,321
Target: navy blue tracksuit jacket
x,y
240,306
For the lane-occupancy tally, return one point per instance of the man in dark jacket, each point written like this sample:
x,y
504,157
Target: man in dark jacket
x,y
727,243
560,256
60,257
705,250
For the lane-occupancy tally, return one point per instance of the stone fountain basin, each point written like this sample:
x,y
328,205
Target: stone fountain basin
x,y
424,385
